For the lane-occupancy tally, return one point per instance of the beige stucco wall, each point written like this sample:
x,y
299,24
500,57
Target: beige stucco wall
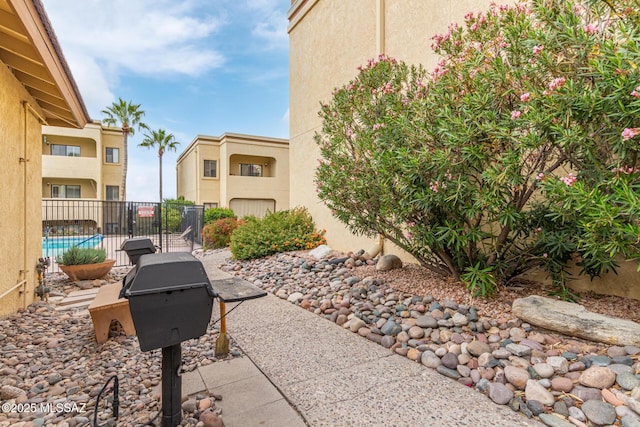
x,y
90,170
235,150
111,172
328,39
186,177
20,181
229,151
326,47
191,182
209,187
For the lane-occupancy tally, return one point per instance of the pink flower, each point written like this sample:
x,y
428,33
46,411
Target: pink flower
x,y
378,126
624,169
629,133
349,132
515,114
538,49
525,97
569,180
436,186
557,83
591,29
540,176
635,94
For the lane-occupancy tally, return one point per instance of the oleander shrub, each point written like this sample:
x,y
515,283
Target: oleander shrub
x,y
214,214
80,256
520,149
277,232
217,234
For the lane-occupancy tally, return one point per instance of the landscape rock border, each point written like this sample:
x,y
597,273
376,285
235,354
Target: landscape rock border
x,y
538,373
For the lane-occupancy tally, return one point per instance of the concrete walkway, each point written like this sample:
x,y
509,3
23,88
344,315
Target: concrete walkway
x,y
334,377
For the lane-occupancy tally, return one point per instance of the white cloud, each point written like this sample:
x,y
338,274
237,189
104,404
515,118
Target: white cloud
x,y
273,29
95,88
147,37
270,22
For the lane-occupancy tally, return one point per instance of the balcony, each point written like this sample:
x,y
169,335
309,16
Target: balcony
x,y
71,167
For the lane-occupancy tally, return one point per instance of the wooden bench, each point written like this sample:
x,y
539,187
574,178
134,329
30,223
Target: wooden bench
x,y
107,307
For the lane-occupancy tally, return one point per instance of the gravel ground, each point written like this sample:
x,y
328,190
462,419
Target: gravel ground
x,y
417,280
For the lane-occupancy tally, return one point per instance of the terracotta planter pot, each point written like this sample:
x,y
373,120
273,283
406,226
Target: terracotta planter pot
x,y
87,271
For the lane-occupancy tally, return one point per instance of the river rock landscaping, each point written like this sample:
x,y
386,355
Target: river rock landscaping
x,y
50,356
564,381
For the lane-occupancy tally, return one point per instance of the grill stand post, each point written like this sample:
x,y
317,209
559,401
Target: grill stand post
x,y
171,385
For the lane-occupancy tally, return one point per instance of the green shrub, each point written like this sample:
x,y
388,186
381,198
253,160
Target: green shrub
x,y
218,233
277,232
81,256
519,150
172,212
214,214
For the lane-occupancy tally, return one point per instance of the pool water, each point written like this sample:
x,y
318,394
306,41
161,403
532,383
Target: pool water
x,y
54,246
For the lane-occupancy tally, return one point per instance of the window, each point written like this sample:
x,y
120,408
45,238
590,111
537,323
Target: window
x,y
65,150
210,205
250,170
65,191
113,192
112,155
211,168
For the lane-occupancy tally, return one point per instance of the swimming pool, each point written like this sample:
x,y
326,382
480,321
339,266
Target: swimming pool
x,y
54,246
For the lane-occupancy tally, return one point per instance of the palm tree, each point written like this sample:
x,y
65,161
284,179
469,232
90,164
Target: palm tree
x,y
129,116
163,141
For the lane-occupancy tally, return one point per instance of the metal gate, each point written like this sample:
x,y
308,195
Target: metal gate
x,y
173,227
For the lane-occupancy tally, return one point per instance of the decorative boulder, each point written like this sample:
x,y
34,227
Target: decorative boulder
x,y
321,252
574,320
388,262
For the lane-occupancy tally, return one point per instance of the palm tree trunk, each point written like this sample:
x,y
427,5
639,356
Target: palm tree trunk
x,y
160,158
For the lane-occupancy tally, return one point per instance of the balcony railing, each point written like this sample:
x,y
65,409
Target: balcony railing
x,y
71,167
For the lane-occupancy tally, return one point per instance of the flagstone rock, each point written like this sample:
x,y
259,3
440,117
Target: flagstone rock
x,y
573,319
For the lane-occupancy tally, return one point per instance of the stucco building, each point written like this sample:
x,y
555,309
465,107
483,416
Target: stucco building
x,y
247,173
36,88
82,163
328,40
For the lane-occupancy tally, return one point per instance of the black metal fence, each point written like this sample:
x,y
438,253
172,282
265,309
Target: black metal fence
x,y
173,227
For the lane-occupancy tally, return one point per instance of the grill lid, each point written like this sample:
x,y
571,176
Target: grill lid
x,y
136,243
166,272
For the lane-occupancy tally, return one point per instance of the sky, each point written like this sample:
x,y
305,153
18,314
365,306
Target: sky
x,y
196,67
